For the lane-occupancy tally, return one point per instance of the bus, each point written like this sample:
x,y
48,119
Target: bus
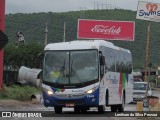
x,y
92,73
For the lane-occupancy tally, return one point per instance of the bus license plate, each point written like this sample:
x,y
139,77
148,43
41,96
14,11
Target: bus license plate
x,y
70,105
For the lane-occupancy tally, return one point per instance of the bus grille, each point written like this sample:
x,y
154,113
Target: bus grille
x,y
69,96
76,102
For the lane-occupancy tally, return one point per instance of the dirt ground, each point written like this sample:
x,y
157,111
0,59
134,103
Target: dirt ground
x,y
14,103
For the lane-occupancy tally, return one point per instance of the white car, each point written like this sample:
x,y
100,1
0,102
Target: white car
x,y
139,91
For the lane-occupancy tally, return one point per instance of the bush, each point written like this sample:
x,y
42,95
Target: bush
x,y
19,92
23,55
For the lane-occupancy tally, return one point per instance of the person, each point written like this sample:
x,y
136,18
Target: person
x,y
55,71
20,38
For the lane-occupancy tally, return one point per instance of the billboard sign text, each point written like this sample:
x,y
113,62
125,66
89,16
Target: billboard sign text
x,y
105,29
148,11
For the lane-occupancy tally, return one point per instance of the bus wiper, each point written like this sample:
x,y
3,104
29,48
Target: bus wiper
x,y
71,69
74,72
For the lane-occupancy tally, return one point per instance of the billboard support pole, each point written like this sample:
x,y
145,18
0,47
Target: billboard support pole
x,y
147,51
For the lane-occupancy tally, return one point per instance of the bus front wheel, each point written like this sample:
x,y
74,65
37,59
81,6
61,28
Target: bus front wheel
x,y
101,109
77,110
58,110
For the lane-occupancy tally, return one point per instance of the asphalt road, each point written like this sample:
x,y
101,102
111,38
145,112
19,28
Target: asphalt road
x,y
68,113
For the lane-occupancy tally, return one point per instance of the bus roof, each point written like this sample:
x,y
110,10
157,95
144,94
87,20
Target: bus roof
x,y
82,44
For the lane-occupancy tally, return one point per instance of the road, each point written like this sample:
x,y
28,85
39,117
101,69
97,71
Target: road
x,y
29,106
68,113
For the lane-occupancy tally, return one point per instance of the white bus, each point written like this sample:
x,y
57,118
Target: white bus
x,y
92,73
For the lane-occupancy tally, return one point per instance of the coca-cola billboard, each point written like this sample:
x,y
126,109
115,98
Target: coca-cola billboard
x,y
105,29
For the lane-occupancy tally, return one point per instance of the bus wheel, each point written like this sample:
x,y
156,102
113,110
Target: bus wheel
x,y
121,106
107,99
77,109
101,109
113,108
83,110
58,110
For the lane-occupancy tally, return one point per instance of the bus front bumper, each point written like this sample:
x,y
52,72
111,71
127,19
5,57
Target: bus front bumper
x,y
87,100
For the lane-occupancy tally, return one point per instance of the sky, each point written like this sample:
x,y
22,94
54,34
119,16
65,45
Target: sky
x,y
35,6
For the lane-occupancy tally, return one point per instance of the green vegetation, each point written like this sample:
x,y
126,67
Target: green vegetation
x,y
24,55
33,28
18,92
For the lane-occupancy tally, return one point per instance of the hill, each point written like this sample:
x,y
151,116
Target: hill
x,y
33,28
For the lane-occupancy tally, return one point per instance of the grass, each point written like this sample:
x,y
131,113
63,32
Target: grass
x,y
18,92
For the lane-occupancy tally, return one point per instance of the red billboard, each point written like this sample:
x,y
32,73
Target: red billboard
x,y
2,14
106,29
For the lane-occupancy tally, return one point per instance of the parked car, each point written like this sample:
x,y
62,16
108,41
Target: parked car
x,y
139,91
137,80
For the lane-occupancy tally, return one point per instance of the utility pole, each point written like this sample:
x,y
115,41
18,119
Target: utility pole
x,y
95,4
147,51
64,32
46,33
147,44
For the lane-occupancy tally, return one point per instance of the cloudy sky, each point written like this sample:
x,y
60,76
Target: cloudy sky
x,y
30,6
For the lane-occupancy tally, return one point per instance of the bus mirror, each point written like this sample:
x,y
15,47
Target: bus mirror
x,y
102,60
40,55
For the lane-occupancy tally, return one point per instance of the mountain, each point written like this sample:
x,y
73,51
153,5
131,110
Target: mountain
x,y
33,27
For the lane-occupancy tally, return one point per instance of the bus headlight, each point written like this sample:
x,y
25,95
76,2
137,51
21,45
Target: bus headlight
x,y
90,91
49,92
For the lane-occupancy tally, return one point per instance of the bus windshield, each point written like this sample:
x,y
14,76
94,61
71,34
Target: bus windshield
x,y
70,67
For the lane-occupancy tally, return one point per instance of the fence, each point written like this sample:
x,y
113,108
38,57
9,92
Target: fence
x,y
10,77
